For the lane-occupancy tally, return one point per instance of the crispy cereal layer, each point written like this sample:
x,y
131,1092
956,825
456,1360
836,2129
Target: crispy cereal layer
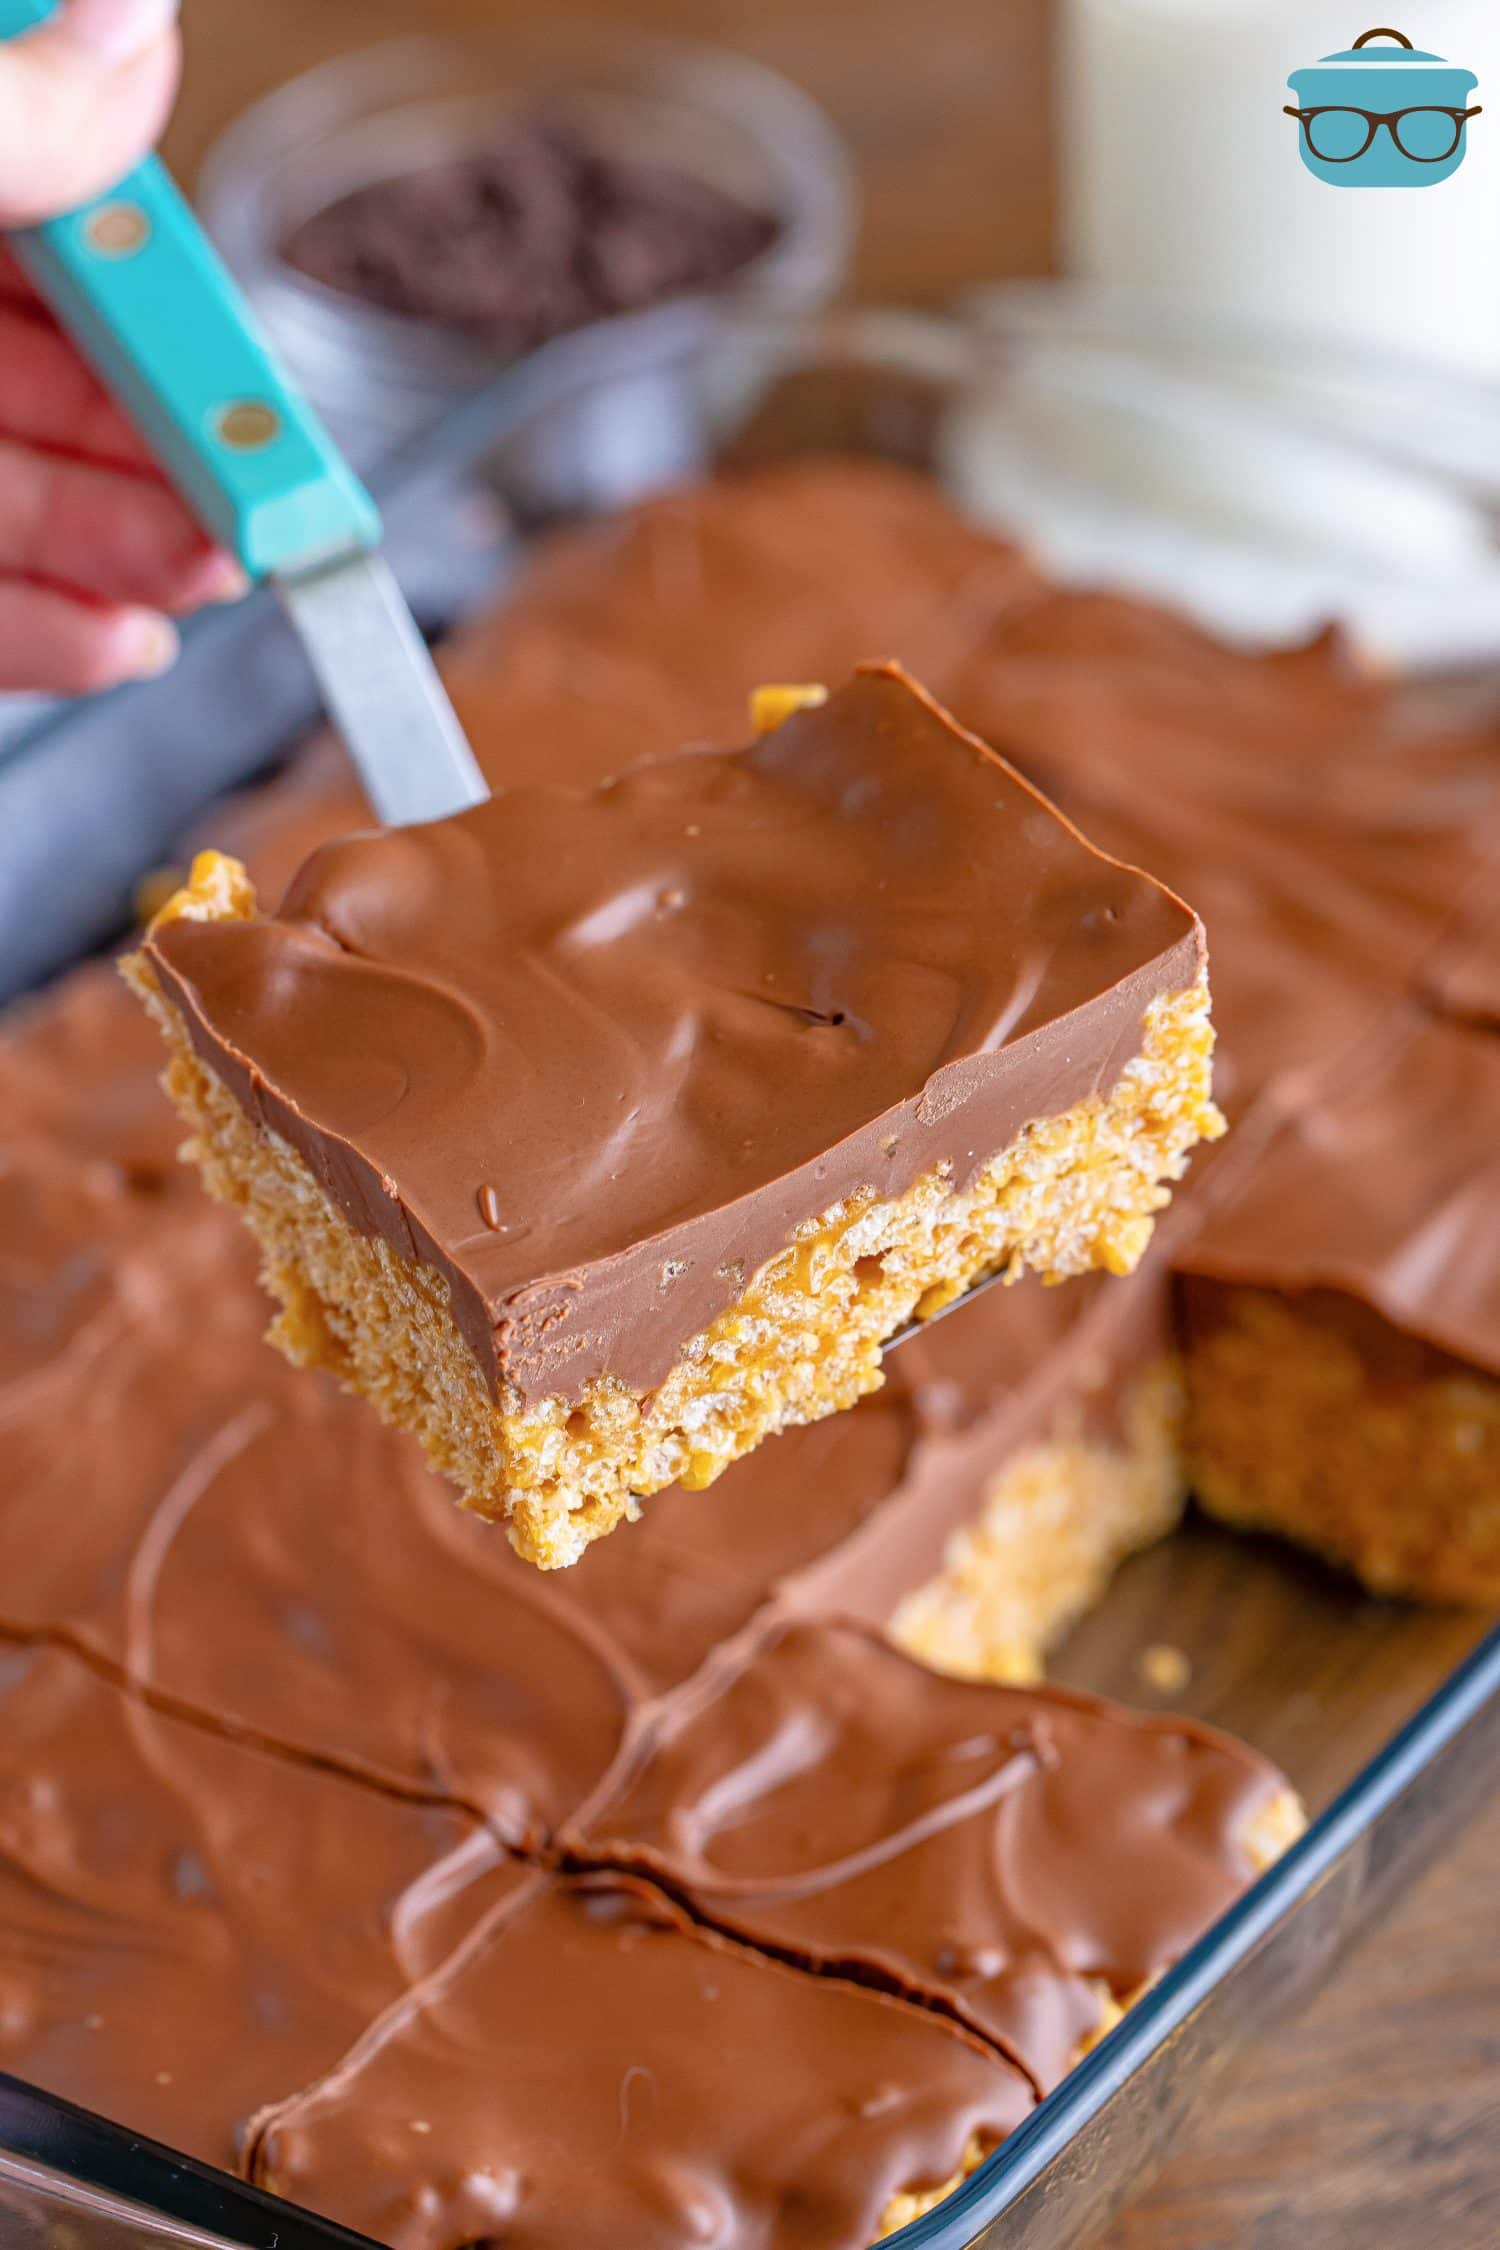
x,y
1072,1192
1292,1427
1058,1519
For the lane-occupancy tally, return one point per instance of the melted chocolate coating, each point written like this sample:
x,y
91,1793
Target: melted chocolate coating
x,y
599,2073
248,1541
1464,978
189,1929
77,1074
534,1044
987,1850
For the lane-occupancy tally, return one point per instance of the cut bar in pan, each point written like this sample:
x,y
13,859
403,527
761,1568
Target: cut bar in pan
x,y
601,2069
598,1133
1343,1324
1022,1860
840,1926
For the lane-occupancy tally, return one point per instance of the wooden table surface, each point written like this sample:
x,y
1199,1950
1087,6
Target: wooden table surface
x,y
1374,2117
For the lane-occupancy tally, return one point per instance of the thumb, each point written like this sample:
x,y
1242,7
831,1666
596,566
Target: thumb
x,y
82,99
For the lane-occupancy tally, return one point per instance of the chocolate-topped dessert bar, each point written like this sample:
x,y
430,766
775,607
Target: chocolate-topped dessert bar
x,y
1022,1859
1323,837
1342,1319
602,2068
595,1135
191,1927
903,1907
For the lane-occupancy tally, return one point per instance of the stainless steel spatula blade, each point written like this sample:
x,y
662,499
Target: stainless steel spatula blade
x,y
382,689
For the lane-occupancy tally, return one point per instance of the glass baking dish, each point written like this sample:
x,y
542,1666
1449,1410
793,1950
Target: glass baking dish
x,y
68,2178
1386,1717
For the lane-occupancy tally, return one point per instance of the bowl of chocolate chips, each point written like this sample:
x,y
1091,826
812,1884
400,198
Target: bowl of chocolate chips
x,y
415,218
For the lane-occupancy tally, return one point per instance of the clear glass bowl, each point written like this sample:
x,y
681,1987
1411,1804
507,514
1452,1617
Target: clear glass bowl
x,y
398,108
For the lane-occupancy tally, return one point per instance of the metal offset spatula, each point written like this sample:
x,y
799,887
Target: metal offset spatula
x,y
151,305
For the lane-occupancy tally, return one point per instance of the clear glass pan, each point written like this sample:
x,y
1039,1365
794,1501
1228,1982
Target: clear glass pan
x,y
68,2178
1386,1717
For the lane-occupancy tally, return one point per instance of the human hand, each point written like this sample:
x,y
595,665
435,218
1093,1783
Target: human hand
x,y
96,550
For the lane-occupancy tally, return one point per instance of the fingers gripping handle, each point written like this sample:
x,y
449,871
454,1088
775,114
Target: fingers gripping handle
x,y
147,299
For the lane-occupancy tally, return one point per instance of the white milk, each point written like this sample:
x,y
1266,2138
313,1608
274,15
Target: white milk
x,y
1181,176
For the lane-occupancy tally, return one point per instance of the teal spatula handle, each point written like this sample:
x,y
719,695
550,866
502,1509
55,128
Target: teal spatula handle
x,y
151,305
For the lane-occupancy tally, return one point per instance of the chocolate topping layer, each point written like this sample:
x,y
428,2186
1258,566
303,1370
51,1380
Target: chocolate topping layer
x,y
1464,979
999,1852
244,1539
1323,828
605,2072
81,1073
1386,1190
189,1929
595,1055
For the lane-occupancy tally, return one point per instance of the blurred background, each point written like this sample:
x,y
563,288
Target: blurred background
x,y
946,108
1225,384
1097,291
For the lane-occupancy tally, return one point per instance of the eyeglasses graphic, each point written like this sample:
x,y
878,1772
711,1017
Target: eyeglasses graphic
x,y
1424,136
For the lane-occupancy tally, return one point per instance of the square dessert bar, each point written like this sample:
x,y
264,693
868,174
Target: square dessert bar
x,y
1022,1860
596,1134
1342,1319
600,2068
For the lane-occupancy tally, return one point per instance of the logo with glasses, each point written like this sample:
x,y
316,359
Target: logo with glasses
x,y
1383,116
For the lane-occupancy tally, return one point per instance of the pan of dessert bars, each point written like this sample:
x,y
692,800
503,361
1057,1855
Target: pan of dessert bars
x,y
69,2177
1382,1710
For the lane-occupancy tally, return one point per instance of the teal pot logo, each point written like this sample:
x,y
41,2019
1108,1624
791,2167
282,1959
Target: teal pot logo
x,y
1383,116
